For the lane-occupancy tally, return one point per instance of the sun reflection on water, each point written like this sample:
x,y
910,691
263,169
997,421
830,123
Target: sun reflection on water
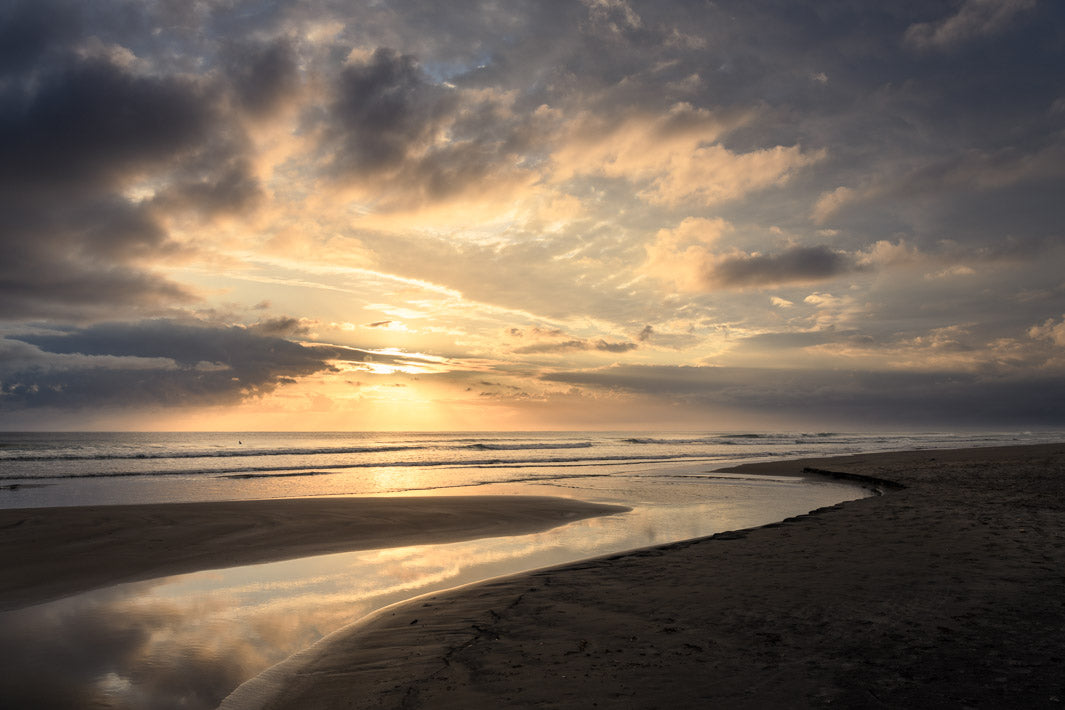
x,y
189,640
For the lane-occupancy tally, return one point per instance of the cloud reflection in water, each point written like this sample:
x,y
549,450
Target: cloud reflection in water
x,y
188,641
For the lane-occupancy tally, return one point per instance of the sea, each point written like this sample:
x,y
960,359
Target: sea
x,y
61,469
191,641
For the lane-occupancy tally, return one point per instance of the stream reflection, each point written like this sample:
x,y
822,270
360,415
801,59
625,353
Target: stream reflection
x,y
187,641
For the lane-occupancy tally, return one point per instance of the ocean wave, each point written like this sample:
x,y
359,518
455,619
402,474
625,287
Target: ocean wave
x,y
481,446
710,439
285,474
319,469
667,442
227,453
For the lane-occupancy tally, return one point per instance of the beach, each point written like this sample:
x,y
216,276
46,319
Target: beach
x,y
54,552
947,591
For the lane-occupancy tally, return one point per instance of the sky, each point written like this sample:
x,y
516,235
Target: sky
x,y
542,214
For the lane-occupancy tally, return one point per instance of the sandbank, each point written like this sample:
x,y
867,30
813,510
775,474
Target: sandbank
x,y
53,552
948,592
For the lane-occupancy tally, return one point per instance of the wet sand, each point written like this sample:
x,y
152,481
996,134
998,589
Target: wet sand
x,y
949,592
49,553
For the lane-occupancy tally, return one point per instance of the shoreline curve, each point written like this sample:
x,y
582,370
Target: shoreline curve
x,y
51,553
938,593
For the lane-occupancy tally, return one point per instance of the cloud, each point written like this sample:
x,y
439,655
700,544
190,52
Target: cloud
x,y
830,202
678,254
158,362
113,651
714,174
262,74
282,326
799,339
30,30
683,256
841,397
974,19
824,300
793,265
1049,330
489,165
409,140
674,157
572,345
884,253
386,109
92,121
972,172
635,143
950,271
67,289
609,347
98,154
693,257
612,16
555,340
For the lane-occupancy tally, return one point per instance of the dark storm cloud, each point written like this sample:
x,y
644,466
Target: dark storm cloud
x,y
235,347
384,128
30,29
262,74
88,122
79,125
54,264
210,365
195,365
65,242
385,108
162,362
797,264
843,397
218,188
50,286
107,228
71,255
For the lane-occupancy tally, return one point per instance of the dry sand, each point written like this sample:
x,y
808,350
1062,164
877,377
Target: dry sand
x,y
948,593
53,552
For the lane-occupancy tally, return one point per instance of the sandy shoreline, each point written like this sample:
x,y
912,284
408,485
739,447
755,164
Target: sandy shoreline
x,y
52,552
946,593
